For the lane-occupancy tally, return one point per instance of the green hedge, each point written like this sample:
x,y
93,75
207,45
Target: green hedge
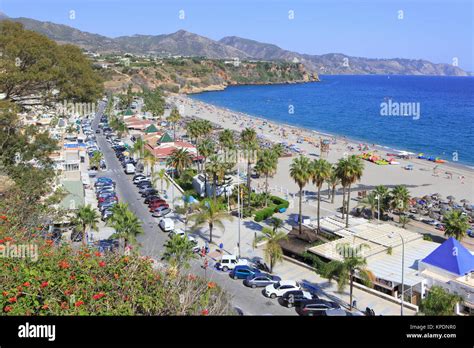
x,y
277,204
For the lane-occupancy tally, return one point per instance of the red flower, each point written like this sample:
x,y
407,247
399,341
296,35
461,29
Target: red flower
x,y
5,293
63,264
12,299
7,309
1,241
44,284
49,242
27,284
116,276
98,254
205,312
72,277
125,259
8,239
67,292
191,277
98,296
4,217
102,263
78,303
45,306
64,305
211,285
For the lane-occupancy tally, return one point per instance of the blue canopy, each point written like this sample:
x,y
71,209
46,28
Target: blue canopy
x,y
451,256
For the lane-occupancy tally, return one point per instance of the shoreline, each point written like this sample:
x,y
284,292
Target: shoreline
x,y
351,140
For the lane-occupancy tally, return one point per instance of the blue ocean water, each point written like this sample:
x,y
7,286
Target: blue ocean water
x,y
351,106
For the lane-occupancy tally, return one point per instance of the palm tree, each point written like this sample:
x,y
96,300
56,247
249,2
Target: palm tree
x,y
206,148
139,147
345,270
320,172
342,172
96,158
160,175
150,160
186,209
248,138
371,202
86,217
126,224
276,223
300,173
456,224
192,129
273,252
174,118
179,159
179,252
333,180
278,149
267,164
399,199
210,214
357,169
226,141
216,169
383,195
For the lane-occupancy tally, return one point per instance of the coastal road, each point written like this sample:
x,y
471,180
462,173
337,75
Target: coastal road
x,y
152,241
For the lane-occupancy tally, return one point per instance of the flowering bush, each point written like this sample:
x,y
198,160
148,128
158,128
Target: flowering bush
x,y
64,281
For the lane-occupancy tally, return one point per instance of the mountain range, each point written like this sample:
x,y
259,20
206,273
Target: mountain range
x,y
183,43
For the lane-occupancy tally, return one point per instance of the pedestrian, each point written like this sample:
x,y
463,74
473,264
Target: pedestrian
x,y
221,247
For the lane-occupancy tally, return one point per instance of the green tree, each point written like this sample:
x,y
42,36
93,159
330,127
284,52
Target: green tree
x,y
210,214
370,202
174,118
95,160
349,170
345,270
400,199
249,143
456,224
162,177
216,169
300,172
273,252
320,172
333,180
87,218
126,224
179,252
154,102
439,302
226,142
179,159
266,165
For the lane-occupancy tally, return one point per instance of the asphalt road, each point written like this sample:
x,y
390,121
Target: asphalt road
x,y
250,301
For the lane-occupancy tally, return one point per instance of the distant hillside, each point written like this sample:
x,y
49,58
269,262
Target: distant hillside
x,y
334,63
183,43
193,75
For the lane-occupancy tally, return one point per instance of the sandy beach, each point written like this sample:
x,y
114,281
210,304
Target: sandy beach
x,y
426,177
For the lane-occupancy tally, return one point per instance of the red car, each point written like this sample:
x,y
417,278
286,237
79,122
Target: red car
x,y
157,201
158,205
102,199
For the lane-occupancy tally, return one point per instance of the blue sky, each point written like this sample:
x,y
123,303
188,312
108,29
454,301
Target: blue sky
x,y
436,30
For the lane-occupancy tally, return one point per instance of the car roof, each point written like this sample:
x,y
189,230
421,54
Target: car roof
x,y
288,282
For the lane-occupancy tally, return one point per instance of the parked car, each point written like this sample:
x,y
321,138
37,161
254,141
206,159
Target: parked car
x,y
295,297
470,233
228,262
161,211
157,204
181,233
149,192
106,214
315,307
108,198
261,280
280,288
152,198
243,271
166,224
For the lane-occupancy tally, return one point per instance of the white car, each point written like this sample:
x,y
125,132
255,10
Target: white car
x,y
166,224
228,262
280,288
181,233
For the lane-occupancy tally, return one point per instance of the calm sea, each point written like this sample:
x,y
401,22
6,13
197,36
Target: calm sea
x,y
433,115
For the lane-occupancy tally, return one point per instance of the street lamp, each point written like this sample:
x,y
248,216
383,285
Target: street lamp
x,y
238,204
378,207
403,272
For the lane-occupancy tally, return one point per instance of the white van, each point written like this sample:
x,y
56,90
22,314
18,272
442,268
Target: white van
x,y
130,169
166,224
229,262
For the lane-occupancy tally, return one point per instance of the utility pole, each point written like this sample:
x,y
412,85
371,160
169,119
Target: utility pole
x,y
238,204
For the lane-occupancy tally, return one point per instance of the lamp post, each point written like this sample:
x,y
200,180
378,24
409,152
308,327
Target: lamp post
x,y
378,208
403,273
238,205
